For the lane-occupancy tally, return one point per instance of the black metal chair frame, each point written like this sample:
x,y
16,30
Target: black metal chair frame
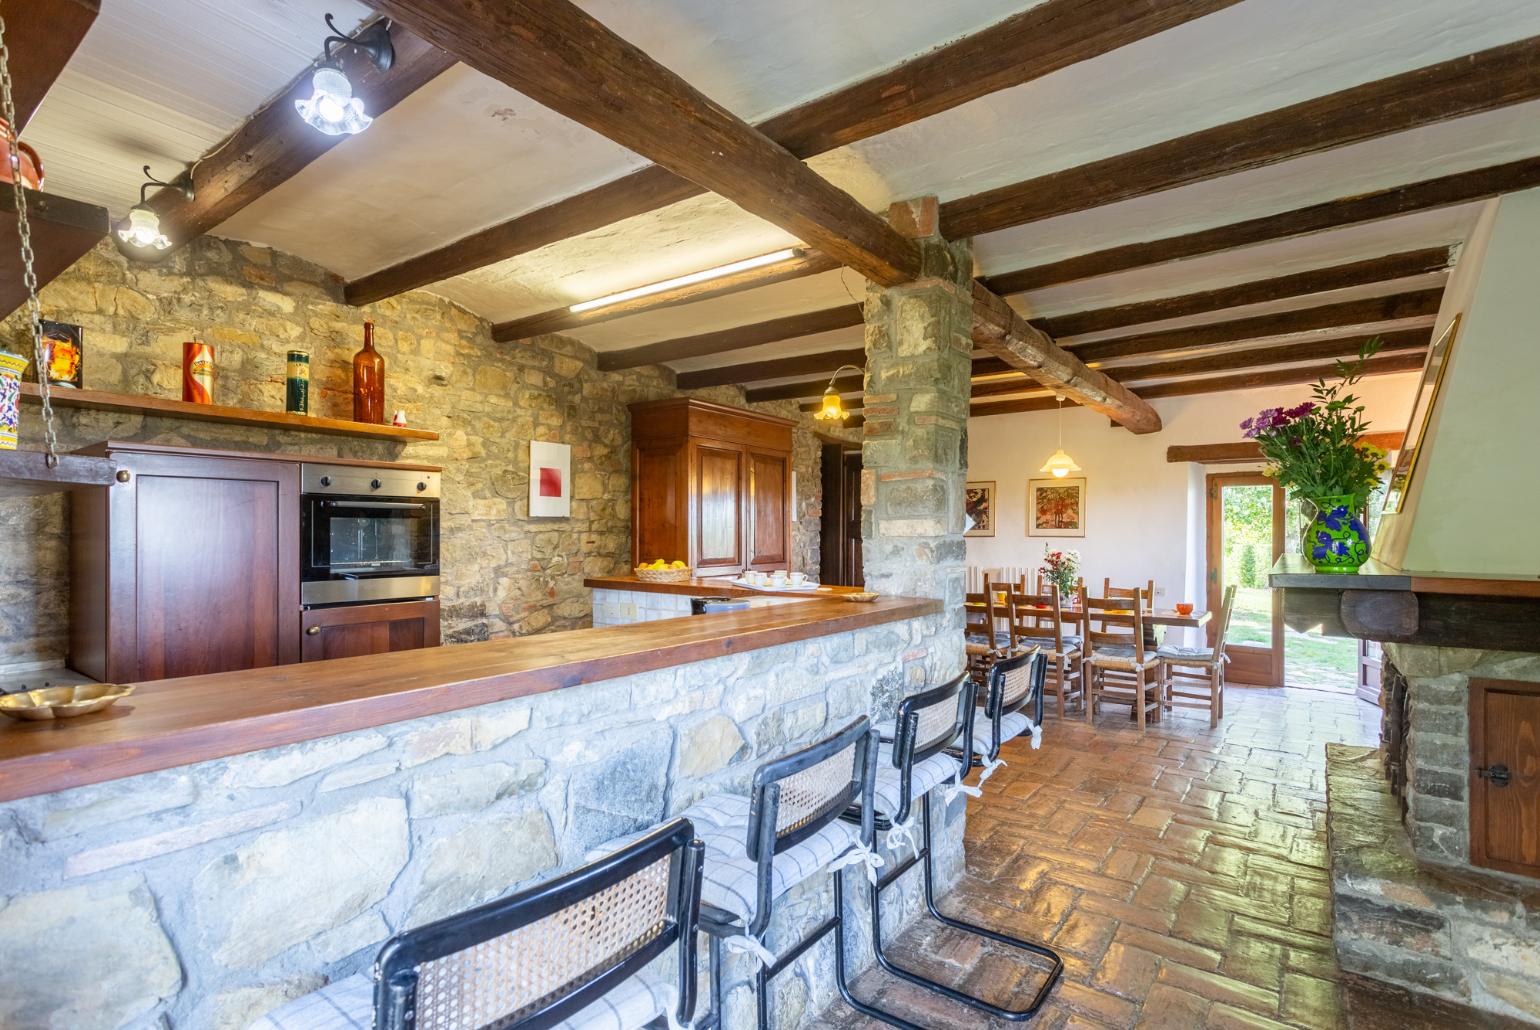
x,y
905,756
763,846
396,968
995,709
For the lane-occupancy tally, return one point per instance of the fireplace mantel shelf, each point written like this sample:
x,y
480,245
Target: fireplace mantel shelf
x,y
1391,606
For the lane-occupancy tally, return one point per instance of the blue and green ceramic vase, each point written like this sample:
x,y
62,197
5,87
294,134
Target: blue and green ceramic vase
x,y
1335,540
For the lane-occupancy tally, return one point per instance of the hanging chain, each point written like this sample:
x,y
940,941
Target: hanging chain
x,y
24,230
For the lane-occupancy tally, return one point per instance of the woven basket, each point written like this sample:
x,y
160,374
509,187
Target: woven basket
x,y
663,575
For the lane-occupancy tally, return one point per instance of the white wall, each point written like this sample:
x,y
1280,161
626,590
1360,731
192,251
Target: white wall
x,y
1144,515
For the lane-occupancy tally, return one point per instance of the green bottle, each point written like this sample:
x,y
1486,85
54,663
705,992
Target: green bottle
x,y
297,384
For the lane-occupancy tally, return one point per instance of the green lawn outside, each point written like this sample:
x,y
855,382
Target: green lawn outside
x,y
1309,659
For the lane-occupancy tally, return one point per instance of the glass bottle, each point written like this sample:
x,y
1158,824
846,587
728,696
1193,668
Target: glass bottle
x,y
369,381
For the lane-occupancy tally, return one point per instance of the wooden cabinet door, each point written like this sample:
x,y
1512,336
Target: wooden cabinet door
x,y
769,510
209,581
659,514
718,502
1505,775
362,629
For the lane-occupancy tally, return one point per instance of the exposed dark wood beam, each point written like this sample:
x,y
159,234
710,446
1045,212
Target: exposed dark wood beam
x,y
1044,39
274,144
40,37
557,55
1003,333
1231,360
778,368
1299,284
557,319
737,338
1249,451
1380,365
1468,85
1414,304
805,388
63,231
1459,188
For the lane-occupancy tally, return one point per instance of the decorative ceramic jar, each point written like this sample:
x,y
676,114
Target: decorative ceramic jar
x,y
31,164
11,368
1335,539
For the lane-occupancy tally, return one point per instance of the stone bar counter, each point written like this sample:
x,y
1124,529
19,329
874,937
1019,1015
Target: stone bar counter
x,y
215,845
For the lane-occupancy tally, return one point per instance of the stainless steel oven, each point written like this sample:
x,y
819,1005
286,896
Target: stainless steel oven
x,y
367,534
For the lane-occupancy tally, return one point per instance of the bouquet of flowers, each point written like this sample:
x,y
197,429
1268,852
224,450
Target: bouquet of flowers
x,y
1061,568
1315,449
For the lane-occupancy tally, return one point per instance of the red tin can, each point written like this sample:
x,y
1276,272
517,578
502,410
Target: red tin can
x,y
198,372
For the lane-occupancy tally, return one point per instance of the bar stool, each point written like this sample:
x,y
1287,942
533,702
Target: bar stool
x,y
911,763
568,953
1013,684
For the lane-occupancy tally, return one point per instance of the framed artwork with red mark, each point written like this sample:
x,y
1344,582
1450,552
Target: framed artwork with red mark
x,y
550,480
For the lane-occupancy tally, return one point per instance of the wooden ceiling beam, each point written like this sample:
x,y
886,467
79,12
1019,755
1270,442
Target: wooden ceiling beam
x,y
998,329
275,144
40,37
1340,317
63,232
1246,451
557,55
1484,81
1025,46
1299,284
778,368
1445,191
737,338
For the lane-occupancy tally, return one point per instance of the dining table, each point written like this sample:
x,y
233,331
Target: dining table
x,y
1072,614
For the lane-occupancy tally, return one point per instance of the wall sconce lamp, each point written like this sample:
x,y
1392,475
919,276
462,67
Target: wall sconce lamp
x,y
141,229
833,408
332,108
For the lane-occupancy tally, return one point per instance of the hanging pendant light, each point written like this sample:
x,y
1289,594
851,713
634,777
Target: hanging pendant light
x,y
832,408
332,108
1060,464
140,231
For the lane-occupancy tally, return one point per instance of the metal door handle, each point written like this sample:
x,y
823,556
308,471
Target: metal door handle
x,y
1498,774
313,631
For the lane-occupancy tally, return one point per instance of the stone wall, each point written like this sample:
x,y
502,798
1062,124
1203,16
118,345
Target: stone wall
x,y
202,896
503,572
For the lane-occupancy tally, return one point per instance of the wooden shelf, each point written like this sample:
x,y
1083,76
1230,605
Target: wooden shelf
x,y
1295,571
63,231
101,400
25,473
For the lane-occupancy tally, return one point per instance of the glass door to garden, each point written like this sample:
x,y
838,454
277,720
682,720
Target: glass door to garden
x,y
1245,538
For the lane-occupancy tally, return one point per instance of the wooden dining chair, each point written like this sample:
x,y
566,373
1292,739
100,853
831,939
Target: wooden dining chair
x,y
983,643
1194,677
1129,593
1120,665
1038,620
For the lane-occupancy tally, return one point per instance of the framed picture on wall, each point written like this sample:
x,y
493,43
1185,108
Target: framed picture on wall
x,y
979,505
1056,507
550,480
1422,412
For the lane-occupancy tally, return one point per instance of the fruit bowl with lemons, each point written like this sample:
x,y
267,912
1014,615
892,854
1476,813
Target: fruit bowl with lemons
x,y
662,571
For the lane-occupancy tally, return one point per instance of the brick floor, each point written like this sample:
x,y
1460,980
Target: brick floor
x,y
1181,875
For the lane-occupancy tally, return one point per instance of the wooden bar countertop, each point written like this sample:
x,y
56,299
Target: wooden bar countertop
x,y
697,587
176,722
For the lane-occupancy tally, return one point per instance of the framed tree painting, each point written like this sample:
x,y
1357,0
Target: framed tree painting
x,y
979,505
1422,412
1056,507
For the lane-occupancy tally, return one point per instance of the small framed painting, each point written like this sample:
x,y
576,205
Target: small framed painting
x,y
1056,507
979,506
550,480
1422,412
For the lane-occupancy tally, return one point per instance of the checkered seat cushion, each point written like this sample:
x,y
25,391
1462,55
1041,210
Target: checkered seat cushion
x,y
349,1005
1002,639
1071,644
731,879
1012,725
1196,655
925,777
1121,656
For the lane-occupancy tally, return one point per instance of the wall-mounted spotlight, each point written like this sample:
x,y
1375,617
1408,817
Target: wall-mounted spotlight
x,y
141,229
332,107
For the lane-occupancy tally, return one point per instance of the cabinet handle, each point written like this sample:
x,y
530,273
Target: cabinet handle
x,y
313,631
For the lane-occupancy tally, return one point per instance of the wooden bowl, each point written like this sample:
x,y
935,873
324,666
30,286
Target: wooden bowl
x,y
663,575
862,597
62,702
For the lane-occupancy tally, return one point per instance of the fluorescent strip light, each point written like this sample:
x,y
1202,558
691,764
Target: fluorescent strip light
x,y
685,280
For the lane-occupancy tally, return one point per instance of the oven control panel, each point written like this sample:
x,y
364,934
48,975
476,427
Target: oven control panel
x,y
356,481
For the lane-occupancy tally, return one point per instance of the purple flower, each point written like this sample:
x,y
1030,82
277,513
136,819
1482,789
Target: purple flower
x,y
1299,412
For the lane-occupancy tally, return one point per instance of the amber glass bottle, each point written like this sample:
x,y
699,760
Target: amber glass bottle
x,y
369,381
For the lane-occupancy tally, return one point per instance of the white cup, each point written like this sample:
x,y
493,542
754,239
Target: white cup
x,y
797,578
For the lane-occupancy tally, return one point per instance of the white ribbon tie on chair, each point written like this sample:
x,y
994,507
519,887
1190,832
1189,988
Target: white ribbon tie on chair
x,y
989,769
860,854
744,944
900,834
958,787
1037,733
669,995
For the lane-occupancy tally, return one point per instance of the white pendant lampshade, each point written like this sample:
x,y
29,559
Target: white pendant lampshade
x,y
332,108
1060,464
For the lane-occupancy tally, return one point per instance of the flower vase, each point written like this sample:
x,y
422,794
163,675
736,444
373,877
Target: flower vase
x,y
1335,540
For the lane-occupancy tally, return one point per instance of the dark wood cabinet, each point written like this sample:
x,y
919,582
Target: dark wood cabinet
x,y
1505,775
361,629
711,485
189,567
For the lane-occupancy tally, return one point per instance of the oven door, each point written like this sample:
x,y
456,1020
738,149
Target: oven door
x,y
368,548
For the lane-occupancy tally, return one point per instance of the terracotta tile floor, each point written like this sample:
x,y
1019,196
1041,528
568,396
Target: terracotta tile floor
x,y
1181,875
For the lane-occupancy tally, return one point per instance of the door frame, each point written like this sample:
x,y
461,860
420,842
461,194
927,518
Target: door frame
x,y
1247,664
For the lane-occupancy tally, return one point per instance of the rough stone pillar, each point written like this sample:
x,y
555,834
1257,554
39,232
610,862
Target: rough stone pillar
x,y
914,452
